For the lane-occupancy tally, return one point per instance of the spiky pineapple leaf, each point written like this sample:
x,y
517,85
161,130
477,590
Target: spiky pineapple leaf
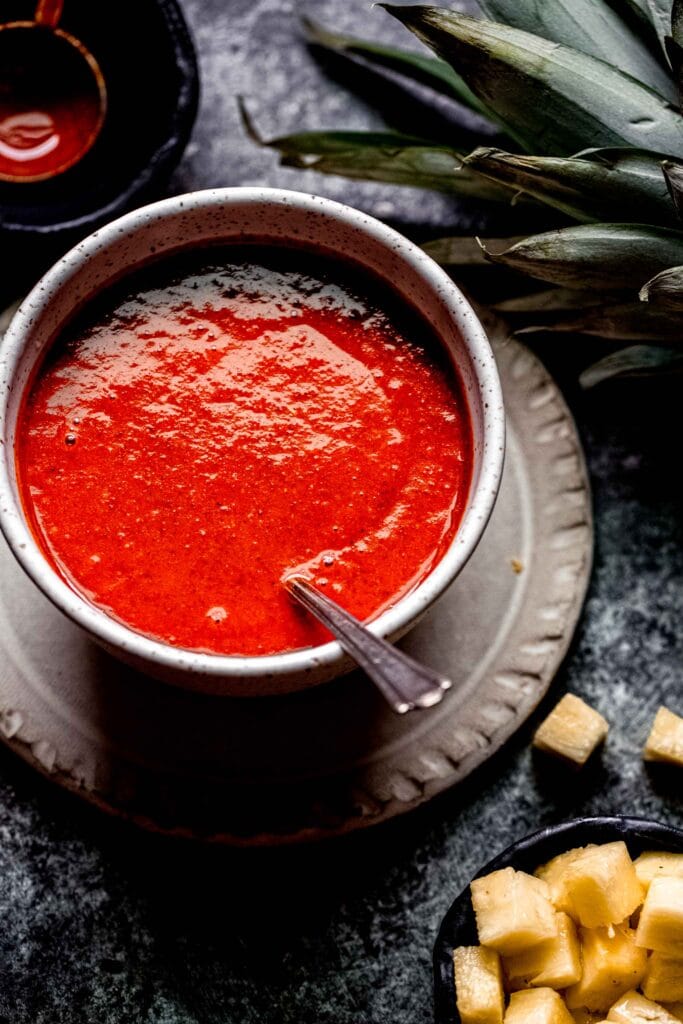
x,y
596,185
674,46
384,157
660,16
677,22
621,321
589,26
640,9
419,67
464,251
614,256
379,160
634,361
554,100
665,293
553,300
673,175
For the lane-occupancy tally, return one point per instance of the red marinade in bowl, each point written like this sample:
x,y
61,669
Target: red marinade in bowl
x,y
225,417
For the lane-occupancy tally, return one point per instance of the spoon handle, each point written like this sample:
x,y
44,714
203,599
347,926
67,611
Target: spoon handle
x,y
48,12
404,683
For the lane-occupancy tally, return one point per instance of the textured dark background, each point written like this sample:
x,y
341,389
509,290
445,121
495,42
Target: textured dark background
x,y
101,924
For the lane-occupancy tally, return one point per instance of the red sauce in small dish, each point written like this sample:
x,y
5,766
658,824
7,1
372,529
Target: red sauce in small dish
x,y
52,103
224,418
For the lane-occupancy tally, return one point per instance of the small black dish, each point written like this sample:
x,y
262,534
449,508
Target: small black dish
x,y
150,69
458,927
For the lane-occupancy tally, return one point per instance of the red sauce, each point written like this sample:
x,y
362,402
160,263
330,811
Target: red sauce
x,y
50,104
221,420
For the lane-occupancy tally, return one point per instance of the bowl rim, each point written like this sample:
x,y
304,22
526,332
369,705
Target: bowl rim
x,y
115,634
547,842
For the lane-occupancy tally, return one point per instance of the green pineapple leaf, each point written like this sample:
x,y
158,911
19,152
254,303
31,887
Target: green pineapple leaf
x,y
593,28
554,100
673,174
621,321
674,46
380,156
660,16
419,67
596,185
640,11
613,256
665,293
383,159
635,361
677,22
554,300
465,251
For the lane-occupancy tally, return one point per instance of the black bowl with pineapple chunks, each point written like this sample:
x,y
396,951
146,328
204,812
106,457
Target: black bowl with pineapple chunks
x,y
459,928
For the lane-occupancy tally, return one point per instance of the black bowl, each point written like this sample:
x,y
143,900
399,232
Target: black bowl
x,y
149,65
458,927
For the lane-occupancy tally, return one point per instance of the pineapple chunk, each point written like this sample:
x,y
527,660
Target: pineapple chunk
x,y
661,919
553,872
633,1008
663,979
513,911
478,985
665,742
572,730
654,864
596,885
554,964
537,1006
612,964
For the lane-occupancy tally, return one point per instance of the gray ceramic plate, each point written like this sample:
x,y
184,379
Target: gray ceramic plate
x,y
333,759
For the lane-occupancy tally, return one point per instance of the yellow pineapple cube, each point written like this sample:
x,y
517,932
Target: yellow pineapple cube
x,y
654,864
513,911
555,963
554,871
661,920
665,742
597,885
663,979
612,964
675,1009
633,1008
572,730
537,1006
478,985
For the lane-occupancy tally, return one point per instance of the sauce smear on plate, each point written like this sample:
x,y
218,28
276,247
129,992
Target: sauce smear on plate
x,y
223,418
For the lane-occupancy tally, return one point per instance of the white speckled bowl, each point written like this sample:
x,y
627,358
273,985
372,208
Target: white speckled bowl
x,y
218,216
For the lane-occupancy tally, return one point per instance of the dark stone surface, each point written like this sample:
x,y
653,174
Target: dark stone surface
x,y
101,924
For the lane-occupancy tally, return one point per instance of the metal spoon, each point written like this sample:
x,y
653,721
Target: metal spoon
x,y
403,682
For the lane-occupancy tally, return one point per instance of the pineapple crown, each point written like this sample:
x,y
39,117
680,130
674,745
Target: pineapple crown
x,y
584,96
